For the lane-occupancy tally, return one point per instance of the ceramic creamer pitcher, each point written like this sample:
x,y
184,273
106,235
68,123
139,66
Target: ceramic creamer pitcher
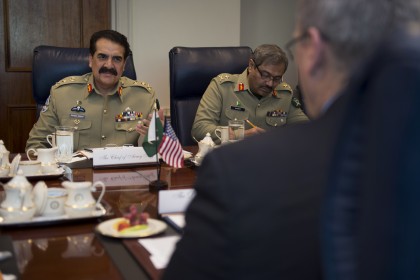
x,y
44,155
47,157
80,201
18,204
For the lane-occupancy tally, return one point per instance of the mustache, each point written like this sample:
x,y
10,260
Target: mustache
x,y
108,70
268,88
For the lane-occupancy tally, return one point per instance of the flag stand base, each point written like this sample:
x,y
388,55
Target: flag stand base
x,y
158,185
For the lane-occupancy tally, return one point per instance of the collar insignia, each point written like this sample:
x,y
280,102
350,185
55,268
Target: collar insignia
x,y
90,88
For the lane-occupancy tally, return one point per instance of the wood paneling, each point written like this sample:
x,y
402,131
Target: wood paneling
x,y
27,24
23,117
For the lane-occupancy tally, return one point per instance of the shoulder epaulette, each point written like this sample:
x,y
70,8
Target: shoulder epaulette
x,y
285,87
72,80
126,82
225,77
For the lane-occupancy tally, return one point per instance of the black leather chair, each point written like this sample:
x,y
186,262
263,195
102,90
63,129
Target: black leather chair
x,y
191,70
51,64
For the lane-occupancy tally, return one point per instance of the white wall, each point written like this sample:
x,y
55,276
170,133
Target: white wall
x,y
153,27
271,22
159,25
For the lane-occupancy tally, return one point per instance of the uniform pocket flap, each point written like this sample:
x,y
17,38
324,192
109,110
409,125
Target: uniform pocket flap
x,y
78,124
126,126
275,121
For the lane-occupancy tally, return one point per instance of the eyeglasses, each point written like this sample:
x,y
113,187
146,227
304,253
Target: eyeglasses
x,y
266,76
289,46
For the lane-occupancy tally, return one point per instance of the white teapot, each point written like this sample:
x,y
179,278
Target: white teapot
x,y
18,204
4,160
80,201
205,146
4,163
2,147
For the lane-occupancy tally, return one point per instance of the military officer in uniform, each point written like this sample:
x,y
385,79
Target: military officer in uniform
x,y
258,96
103,107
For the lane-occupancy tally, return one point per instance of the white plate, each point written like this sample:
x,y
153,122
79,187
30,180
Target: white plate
x,y
108,228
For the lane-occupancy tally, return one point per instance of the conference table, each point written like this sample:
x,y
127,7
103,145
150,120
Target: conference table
x,y
74,249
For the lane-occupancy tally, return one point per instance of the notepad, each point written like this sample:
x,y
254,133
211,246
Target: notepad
x,y
160,249
172,205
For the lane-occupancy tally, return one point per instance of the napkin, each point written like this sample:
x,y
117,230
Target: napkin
x,y
187,154
160,249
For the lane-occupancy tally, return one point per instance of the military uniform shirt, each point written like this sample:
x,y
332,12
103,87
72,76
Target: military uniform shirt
x,y
98,120
229,97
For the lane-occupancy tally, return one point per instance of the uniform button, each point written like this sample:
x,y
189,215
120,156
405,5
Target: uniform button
x,y
105,111
103,137
258,105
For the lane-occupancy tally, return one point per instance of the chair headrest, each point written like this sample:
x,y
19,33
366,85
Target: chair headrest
x,y
191,69
51,64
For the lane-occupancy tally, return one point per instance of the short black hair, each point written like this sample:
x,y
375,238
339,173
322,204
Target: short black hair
x,y
113,36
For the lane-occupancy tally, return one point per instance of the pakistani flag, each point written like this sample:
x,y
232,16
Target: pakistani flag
x,y
154,135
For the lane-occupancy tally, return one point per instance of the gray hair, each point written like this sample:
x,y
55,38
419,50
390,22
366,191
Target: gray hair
x,y
351,27
407,11
270,54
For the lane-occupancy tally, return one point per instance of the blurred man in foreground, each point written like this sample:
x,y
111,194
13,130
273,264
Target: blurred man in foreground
x,y
372,226
256,214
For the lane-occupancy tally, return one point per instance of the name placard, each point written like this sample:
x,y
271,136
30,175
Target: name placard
x,y
121,156
174,201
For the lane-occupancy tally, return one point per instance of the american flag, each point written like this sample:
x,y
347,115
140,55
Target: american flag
x,y
170,149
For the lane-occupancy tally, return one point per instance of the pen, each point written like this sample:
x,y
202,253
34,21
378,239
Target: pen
x,y
88,150
250,123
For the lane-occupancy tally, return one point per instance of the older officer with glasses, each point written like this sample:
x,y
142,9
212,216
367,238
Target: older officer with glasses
x,y
258,96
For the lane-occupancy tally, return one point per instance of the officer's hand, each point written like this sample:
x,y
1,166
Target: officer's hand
x,y
253,131
142,126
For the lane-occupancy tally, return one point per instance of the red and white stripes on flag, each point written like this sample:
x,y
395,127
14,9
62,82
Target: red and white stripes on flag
x,y
170,148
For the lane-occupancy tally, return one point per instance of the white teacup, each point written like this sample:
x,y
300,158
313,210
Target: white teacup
x,y
49,201
30,167
56,198
224,133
